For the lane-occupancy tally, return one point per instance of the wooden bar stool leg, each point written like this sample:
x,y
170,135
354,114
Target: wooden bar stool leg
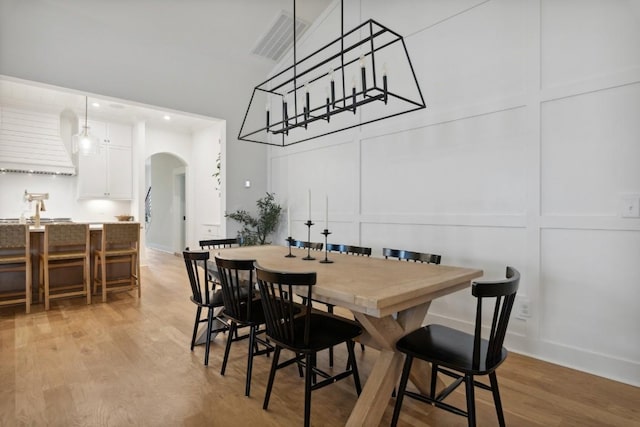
x,y
103,265
87,277
96,266
137,262
40,281
28,290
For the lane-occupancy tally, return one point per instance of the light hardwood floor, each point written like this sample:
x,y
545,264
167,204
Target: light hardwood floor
x,y
127,362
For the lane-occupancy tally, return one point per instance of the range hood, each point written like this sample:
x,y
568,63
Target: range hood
x,y
30,142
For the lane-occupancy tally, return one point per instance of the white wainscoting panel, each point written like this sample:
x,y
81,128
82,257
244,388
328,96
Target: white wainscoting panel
x,y
488,248
468,166
590,291
590,151
604,38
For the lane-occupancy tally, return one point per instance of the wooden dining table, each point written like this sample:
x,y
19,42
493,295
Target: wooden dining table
x,y
388,297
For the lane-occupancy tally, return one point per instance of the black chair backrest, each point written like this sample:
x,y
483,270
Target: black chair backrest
x,y
197,276
313,245
237,278
218,243
349,249
336,247
504,292
276,293
402,254
358,250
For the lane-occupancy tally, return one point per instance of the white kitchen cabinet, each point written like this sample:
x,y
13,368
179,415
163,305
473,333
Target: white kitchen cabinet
x,y
108,174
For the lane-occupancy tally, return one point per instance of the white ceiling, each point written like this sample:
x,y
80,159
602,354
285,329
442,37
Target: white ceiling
x,y
52,99
223,31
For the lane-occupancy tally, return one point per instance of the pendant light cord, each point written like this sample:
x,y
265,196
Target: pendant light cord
x,y
295,60
86,109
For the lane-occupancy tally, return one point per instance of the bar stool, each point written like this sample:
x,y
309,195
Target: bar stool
x,y
15,257
120,244
65,246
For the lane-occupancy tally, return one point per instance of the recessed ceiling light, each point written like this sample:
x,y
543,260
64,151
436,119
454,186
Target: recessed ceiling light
x,y
95,104
167,117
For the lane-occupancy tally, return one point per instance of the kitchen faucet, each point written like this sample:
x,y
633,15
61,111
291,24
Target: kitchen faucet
x,y
39,198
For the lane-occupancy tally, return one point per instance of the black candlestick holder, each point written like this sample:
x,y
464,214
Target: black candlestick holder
x,y
290,241
308,257
325,260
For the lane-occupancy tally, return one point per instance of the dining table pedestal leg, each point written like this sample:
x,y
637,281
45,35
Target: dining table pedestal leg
x,y
383,333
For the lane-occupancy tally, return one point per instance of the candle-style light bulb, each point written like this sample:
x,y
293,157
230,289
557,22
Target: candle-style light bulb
x,y
333,88
308,103
353,92
326,91
384,81
364,75
285,114
267,111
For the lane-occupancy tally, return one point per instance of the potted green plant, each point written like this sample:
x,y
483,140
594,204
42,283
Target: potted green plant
x,y
256,230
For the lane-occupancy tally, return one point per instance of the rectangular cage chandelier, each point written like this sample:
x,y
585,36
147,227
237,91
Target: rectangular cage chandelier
x,y
361,77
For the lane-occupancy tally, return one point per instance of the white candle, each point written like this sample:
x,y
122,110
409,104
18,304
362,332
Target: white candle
x,y
309,203
326,212
288,222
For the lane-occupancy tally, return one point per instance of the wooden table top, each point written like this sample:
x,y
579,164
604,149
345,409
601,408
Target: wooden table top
x,y
374,286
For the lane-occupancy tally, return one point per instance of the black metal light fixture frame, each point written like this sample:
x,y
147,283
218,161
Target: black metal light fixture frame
x,y
277,129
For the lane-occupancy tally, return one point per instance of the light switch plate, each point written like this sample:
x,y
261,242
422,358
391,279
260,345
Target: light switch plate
x,y
630,206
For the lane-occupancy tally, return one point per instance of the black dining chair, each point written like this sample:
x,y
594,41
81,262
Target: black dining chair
x,y
212,244
460,355
404,255
304,333
243,309
314,246
349,249
203,297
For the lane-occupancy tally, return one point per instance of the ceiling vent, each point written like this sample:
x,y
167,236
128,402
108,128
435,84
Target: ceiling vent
x,y
279,38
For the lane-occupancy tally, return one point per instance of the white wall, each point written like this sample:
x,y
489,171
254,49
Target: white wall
x,y
529,138
207,215
62,203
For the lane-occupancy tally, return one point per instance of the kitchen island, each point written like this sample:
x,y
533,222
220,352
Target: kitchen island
x,y
14,281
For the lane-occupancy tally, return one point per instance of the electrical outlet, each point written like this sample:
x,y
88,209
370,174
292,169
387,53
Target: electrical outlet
x,y
630,206
523,308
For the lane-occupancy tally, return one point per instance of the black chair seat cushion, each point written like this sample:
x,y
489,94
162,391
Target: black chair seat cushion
x,y
257,314
449,348
325,331
215,297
